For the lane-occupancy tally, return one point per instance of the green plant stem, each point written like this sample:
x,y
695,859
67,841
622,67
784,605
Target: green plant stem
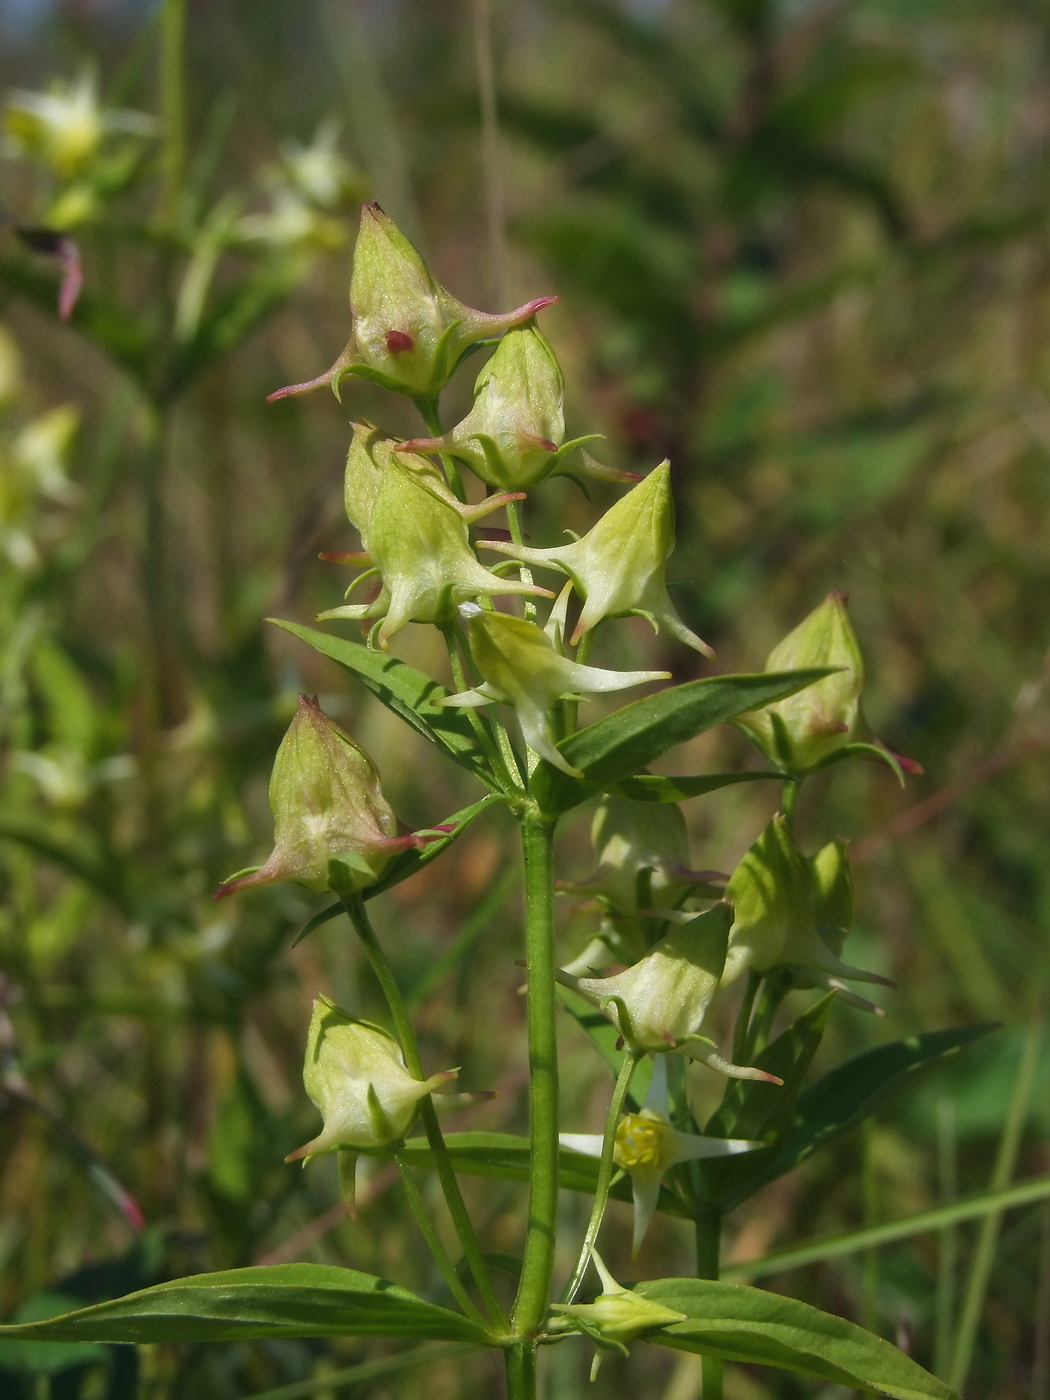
x,y
355,908
605,1171
790,802
741,1038
497,757
431,415
506,748
433,1240
775,988
530,1305
517,534
521,1371
988,1237
708,1223
172,84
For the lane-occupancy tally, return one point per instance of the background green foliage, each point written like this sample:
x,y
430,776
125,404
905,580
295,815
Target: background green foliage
x,y
802,250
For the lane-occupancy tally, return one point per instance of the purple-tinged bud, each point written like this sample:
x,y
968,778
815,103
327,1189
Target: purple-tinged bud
x,y
333,828
408,333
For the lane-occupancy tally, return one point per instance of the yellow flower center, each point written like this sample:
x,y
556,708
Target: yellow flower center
x,y
639,1141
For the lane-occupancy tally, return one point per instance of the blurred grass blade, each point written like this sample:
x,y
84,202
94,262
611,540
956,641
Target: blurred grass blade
x,y
472,929
76,857
987,1239
938,1218
737,1323
364,1371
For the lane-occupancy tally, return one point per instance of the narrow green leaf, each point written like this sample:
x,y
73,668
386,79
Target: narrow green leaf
x,y
615,747
980,1204
506,1157
745,1324
47,1358
652,787
761,1112
280,1300
318,921
408,692
407,863
841,1101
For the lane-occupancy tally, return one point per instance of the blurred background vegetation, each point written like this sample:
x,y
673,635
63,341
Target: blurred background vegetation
x,y
802,249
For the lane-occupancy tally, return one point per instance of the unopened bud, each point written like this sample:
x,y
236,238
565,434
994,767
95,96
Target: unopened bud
x,y
409,333
333,828
617,1314
355,1075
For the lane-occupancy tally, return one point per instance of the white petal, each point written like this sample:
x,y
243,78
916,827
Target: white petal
x,y
590,1144
656,1099
692,1147
646,1187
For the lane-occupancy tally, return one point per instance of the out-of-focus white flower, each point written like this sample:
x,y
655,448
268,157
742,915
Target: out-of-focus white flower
x,y
65,125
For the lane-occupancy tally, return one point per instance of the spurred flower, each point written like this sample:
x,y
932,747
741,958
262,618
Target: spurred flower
x,y
616,1316
647,1146
520,667
660,1003
618,566
774,922
333,828
355,1075
408,333
825,721
416,537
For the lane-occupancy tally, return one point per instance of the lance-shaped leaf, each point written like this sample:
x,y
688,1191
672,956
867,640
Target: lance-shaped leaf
x,y
279,1300
619,745
408,692
745,1324
655,787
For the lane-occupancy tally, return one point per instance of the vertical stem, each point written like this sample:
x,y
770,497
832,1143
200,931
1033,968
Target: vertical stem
x,y
524,572
172,107
988,1235
741,1036
521,1371
605,1170
490,150
530,1306
355,908
708,1262
790,801
947,1239
433,1241
431,415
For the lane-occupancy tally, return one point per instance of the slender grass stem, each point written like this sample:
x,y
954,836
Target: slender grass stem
x,y
1002,1172
492,163
172,83
708,1223
947,1239
605,1172
355,908
530,1306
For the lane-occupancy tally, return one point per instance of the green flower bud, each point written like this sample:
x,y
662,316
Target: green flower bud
x,y
773,897
618,566
416,537
512,436
660,1003
333,828
642,851
409,333
616,1316
355,1075
520,667
824,722
832,884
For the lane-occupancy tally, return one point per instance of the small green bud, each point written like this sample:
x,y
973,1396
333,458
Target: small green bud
x,y
409,333
333,828
512,435
417,539
824,722
355,1075
642,850
618,566
660,1003
774,924
832,893
520,666
617,1315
